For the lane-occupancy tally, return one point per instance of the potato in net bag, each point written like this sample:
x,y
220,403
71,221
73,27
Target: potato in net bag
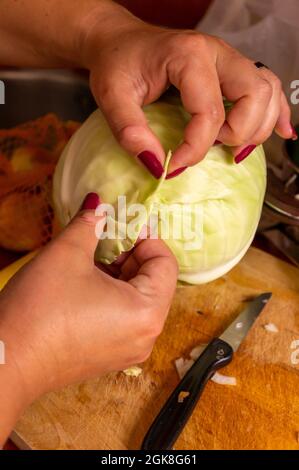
x,y
28,156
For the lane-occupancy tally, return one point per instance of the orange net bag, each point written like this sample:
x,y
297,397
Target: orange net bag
x,y
28,156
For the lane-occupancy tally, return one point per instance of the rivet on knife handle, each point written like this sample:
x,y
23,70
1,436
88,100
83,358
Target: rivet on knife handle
x,y
174,415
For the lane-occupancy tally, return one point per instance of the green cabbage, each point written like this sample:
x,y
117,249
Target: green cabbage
x,y
224,200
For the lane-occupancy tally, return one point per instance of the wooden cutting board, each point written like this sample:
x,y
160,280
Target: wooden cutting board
x,y
260,412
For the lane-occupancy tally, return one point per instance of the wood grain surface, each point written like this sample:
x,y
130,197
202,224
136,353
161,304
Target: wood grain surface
x,y
260,412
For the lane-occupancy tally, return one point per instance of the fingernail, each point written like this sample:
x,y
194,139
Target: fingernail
x,y
176,172
152,163
244,154
90,202
295,135
217,142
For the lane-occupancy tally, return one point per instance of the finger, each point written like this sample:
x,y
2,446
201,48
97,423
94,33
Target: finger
x,y
267,127
283,126
201,97
251,91
129,268
144,233
85,229
122,109
155,270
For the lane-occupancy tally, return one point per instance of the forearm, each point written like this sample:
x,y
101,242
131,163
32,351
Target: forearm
x,y
48,33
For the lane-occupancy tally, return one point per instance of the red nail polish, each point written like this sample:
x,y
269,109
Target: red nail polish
x,y
295,135
176,172
244,154
152,163
90,202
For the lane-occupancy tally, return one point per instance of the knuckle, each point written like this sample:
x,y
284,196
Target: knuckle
x,y
262,137
195,41
128,134
86,218
105,92
264,89
276,82
239,137
221,42
215,113
188,41
143,355
150,324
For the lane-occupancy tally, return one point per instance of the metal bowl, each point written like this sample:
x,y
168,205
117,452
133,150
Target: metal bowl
x,y
281,201
30,94
292,153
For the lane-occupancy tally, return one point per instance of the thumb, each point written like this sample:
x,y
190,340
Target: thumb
x,y
155,270
122,109
84,230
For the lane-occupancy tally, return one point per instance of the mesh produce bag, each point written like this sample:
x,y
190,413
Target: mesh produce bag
x,y
28,156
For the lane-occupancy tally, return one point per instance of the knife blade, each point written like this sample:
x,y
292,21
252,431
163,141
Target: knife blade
x,y
174,415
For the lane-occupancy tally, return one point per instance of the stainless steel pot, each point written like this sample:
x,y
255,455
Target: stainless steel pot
x,y
30,94
280,219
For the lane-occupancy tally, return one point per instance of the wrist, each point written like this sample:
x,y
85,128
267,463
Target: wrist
x,y
15,394
22,378
99,27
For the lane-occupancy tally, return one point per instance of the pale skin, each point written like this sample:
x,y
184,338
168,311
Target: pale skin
x,y
50,315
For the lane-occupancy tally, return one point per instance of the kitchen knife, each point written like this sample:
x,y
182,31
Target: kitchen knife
x,y
174,415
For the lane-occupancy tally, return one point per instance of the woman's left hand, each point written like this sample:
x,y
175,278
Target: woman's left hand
x,y
62,320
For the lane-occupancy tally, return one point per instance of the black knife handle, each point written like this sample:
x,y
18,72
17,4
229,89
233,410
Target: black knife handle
x,y
174,415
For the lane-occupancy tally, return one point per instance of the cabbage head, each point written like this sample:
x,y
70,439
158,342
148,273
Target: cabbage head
x,y
219,201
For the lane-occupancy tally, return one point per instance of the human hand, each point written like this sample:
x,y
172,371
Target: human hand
x,y
63,320
133,63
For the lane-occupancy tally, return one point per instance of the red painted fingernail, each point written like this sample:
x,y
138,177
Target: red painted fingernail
x,y
244,154
295,135
176,172
90,202
152,163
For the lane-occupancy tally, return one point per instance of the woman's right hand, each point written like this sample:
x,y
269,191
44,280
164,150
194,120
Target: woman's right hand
x,y
133,63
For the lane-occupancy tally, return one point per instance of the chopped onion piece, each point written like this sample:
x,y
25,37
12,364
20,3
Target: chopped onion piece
x,y
182,366
196,352
239,325
271,327
223,379
133,371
